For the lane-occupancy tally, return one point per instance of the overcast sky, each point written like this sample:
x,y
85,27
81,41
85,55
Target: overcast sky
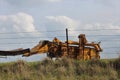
x,y
42,16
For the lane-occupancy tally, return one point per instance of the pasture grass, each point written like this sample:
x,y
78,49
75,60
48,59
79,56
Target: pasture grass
x,y
64,69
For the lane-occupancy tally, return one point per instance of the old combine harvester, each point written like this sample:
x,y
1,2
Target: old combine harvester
x,y
56,49
72,49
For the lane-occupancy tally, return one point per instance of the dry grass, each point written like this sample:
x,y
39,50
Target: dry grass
x,y
64,69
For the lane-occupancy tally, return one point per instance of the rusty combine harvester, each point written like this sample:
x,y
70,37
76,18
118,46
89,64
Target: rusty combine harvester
x,y
72,49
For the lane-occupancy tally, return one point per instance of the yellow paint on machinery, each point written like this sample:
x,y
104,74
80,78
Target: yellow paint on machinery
x,y
76,50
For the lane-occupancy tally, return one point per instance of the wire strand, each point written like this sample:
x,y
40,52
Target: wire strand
x,y
56,31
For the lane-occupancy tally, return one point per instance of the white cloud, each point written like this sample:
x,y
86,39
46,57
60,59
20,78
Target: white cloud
x,y
62,22
20,22
102,29
68,22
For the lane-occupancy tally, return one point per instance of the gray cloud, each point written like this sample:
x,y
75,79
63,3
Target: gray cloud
x,y
25,3
109,3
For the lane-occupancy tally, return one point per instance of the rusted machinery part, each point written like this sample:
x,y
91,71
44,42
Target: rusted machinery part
x,y
81,49
14,52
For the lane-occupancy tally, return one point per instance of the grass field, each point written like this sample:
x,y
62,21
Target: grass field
x,y
64,69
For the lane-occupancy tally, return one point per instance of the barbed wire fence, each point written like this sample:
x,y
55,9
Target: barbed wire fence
x,y
110,42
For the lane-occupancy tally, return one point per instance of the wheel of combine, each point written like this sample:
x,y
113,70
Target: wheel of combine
x,y
50,55
53,51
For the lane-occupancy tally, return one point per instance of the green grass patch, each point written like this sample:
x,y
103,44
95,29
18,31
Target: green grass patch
x,y
64,69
